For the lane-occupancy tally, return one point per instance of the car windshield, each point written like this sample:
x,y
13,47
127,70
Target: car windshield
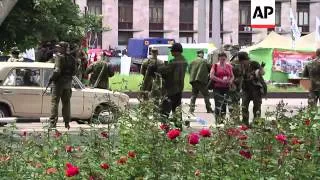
x,y
162,50
76,83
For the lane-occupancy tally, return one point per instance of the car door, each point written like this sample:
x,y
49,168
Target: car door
x,y
22,88
76,98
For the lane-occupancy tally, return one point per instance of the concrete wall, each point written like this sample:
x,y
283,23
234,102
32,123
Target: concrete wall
x,y
141,18
5,8
201,20
171,18
110,19
231,21
314,12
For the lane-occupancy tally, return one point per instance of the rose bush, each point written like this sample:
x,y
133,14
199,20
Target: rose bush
x,y
280,146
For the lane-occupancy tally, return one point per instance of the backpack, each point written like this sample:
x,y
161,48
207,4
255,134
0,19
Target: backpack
x,y
69,66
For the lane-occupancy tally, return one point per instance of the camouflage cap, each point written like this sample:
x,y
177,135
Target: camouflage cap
x,y
200,51
154,50
227,47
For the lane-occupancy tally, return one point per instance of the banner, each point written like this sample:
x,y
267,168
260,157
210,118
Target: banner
x,y
291,62
295,33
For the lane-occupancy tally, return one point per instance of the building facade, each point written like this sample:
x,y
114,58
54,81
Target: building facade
x,y
193,21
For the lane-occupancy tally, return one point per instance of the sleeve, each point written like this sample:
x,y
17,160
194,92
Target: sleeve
x,y
144,68
57,68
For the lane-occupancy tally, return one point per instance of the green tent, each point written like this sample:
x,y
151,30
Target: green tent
x,y
263,52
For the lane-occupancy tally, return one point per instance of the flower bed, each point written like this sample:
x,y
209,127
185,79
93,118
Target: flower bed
x,y
287,148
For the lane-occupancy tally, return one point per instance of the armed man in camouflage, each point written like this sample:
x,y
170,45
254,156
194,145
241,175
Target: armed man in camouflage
x,y
254,88
15,55
100,71
239,62
312,71
199,71
64,69
173,74
147,70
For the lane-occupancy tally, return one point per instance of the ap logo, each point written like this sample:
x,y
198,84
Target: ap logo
x,y
263,13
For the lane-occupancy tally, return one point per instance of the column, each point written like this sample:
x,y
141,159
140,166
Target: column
x,y
216,22
110,19
5,7
202,20
141,18
196,22
314,12
171,12
231,21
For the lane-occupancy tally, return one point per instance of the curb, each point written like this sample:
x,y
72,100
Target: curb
x,y
282,95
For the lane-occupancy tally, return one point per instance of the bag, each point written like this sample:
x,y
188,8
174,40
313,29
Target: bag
x,y
210,84
69,66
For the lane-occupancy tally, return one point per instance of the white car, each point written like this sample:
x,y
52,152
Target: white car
x,y
23,95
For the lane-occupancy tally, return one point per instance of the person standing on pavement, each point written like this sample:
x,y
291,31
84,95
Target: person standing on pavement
x,y
100,72
174,74
312,71
222,76
64,69
15,55
199,71
254,88
148,71
239,62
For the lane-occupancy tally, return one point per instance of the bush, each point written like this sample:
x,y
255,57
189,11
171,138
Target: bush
x,y
280,146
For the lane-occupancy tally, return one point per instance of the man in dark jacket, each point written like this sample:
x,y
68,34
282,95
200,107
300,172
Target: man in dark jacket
x,y
199,71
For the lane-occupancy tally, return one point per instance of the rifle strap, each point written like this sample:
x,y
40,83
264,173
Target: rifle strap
x,y
99,77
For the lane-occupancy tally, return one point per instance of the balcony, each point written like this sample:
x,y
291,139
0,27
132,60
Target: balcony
x,y
186,26
156,26
125,25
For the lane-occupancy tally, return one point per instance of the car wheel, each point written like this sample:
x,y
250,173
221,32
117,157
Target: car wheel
x,y
3,113
105,114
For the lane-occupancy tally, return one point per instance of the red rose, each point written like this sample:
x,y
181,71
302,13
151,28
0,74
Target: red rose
x,y
281,138
233,132
24,133
197,173
68,148
245,153
205,132
244,127
91,178
131,154
104,166
71,170
193,138
172,134
244,144
122,160
243,137
295,141
104,134
164,127
307,122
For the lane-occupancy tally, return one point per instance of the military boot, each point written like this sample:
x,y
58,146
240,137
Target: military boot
x,y
67,125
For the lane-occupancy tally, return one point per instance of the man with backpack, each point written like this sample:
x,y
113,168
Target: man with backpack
x,y
61,79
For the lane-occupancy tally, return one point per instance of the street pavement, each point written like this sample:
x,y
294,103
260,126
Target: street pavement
x,y
198,120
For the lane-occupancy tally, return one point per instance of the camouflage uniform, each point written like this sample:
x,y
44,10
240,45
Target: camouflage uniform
x,y
65,68
199,72
254,89
312,71
96,69
235,92
174,74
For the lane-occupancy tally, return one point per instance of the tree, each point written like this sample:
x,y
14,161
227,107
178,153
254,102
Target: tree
x,y
33,22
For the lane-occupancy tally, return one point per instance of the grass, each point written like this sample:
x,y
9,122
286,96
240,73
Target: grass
x,y
132,83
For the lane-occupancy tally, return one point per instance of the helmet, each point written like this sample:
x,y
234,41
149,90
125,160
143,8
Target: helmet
x,y
15,50
154,50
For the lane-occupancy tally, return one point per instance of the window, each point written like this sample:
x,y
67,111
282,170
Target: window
x,y
303,10
186,15
278,14
94,7
244,13
124,37
23,77
156,11
126,11
156,34
186,37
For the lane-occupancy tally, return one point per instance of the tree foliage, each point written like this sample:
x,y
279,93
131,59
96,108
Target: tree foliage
x,y
34,21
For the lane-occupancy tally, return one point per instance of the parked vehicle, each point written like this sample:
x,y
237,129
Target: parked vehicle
x,y
31,100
